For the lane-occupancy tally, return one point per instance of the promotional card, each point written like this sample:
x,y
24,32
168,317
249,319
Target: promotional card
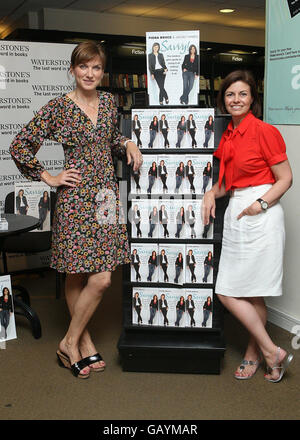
x,y
144,262
33,198
7,316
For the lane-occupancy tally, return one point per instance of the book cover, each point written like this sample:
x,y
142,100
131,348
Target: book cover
x,y
33,198
145,306
204,132
168,128
198,173
149,127
168,314
146,180
176,174
199,263
7,316
149,310
144,262
173,49
143,216
199,307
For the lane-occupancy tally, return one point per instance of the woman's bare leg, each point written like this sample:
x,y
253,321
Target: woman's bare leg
x,y
253,351
245,311
73,287
83,309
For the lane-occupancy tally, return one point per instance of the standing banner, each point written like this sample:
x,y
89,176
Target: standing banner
x,y
30,75
173,67
282,76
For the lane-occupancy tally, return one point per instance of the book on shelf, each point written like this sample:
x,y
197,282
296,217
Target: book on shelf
x,y
217,83
129,81
202,83
124,101
140,98
105,80
135,81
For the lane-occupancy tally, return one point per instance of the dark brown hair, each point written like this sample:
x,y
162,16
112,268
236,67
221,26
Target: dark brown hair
x,y
86,51
246,77
191,47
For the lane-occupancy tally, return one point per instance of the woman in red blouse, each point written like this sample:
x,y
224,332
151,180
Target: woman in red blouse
x,y
255,170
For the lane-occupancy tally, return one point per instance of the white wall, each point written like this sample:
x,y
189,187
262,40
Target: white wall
x,y
285,310
93,22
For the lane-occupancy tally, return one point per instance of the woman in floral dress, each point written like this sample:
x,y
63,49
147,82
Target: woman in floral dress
x,y
89,240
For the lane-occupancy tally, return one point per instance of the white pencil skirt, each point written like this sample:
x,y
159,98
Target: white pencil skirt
x,y
251,261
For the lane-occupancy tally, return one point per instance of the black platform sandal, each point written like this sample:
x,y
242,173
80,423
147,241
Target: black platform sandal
x,y
64,361
91,360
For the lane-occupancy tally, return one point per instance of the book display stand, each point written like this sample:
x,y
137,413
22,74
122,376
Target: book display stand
x,y
172,320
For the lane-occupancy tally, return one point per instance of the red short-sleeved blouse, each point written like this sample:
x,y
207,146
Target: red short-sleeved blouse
x,y
247,153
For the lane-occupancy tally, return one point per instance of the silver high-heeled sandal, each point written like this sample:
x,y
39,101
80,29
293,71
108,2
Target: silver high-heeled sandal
x,y
282,366
244,364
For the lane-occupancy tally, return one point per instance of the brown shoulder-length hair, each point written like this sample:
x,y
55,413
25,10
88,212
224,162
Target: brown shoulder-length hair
x,y
246,77
86,51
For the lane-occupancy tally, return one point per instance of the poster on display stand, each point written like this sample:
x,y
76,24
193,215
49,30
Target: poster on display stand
x,y
7,315
173,67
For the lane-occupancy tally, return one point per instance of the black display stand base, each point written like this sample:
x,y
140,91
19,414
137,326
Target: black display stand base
x,y
169,350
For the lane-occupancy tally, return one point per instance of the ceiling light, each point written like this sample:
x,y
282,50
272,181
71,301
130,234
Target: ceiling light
x,y
226,11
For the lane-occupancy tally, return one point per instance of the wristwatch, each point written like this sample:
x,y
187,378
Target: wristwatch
x,y
264,205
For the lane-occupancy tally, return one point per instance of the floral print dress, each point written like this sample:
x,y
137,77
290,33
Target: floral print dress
x,y
87,232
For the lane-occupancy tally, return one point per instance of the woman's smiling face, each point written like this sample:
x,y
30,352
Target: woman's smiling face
x,y
88,74
238,99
